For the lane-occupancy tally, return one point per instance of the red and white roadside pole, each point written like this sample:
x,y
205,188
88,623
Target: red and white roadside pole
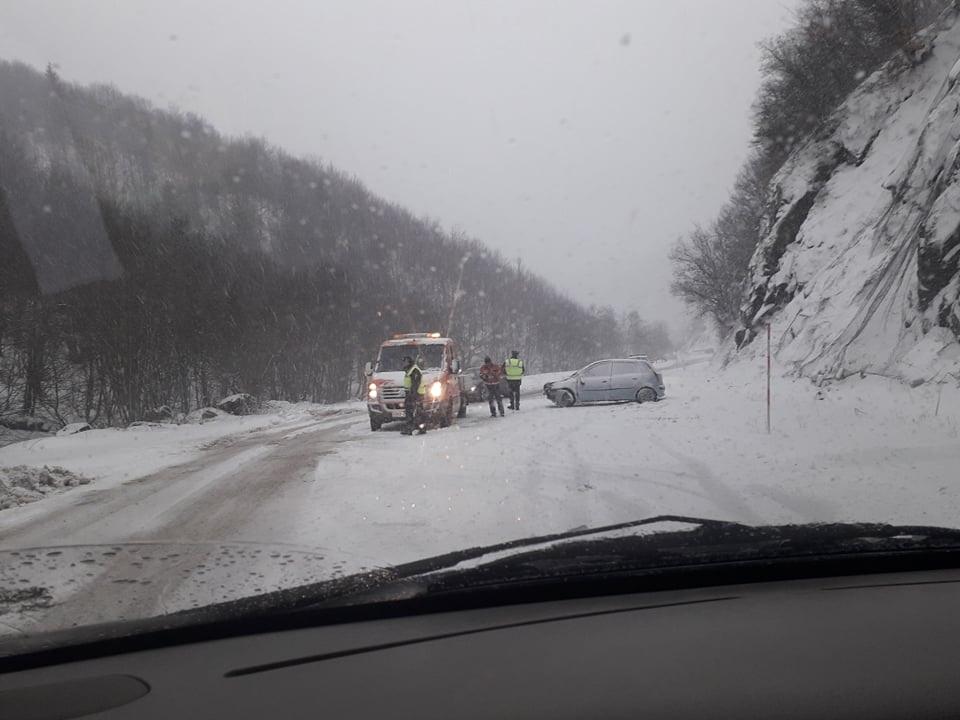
x,y
768,378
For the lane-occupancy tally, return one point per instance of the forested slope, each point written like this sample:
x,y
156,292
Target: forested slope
x,y
148,260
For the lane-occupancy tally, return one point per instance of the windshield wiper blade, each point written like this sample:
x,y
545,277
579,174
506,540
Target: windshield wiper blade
x,y
338,591
712,544
451,559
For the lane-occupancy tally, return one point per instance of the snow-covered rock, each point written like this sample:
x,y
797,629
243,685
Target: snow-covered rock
x,y
238,404
73,428
203,414
859,268
159,414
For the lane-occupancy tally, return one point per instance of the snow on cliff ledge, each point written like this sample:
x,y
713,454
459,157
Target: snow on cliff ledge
x,y
859,269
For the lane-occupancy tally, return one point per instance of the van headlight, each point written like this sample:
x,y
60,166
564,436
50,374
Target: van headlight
x,y
436,390
372,391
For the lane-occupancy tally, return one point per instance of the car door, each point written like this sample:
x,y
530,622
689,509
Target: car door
x,y
594,382
626,377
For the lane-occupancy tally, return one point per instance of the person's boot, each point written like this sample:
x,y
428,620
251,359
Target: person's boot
x,y
421,431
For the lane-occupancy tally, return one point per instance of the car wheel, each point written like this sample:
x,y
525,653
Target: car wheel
x,y
462,412
646,395
565,398
446,417
375,424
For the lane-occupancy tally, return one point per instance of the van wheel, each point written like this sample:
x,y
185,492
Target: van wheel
x,y
375,424
565,399
646,395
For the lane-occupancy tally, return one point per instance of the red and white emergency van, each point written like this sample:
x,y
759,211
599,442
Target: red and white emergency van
x,y
444,397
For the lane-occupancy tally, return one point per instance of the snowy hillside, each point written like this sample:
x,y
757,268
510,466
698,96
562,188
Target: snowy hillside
x,y
859,268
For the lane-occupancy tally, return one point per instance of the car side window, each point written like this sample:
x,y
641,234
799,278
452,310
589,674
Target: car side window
x,y
597,371
625,367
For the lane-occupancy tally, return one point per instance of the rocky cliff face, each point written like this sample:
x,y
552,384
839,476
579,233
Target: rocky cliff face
x,y
859,266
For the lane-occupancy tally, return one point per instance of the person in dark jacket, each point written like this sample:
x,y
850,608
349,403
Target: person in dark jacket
x,y
514,370
414,390
490,373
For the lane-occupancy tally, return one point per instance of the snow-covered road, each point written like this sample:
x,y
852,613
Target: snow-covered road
x,y
865,449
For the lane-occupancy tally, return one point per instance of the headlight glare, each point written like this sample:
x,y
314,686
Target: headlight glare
x,y
436,390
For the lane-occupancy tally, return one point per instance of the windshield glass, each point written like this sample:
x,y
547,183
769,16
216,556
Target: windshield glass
x,y
392,357
713,249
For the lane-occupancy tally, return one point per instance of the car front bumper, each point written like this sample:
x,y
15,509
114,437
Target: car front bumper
x,y
388,410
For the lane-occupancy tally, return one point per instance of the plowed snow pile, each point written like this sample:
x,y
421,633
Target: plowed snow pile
x,y
21,484
859,270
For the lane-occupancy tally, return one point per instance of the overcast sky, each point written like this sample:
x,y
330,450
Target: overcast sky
x,y
581,137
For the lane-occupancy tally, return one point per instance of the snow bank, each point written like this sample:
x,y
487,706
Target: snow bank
x,y
859,270
21,485
73,428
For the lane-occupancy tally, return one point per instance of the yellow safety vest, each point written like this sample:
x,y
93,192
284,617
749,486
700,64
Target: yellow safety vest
x,y
408,381
514,368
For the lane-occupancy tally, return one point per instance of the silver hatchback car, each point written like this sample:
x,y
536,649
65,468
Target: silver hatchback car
x,y
608,381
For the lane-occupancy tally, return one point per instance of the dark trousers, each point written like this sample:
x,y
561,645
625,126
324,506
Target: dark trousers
x,y
412,411
514,394
494,395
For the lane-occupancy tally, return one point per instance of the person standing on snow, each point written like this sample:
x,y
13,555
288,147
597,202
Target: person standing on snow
x,y
414,391
491,373
513,368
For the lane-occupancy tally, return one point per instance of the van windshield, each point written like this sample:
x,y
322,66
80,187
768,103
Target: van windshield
x,y
391,357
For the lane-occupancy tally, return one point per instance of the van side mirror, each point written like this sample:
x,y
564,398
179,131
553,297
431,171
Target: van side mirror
x,y
368,369
456,366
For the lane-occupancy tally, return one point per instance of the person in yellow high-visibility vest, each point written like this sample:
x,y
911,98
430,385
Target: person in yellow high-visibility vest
x,y
414,390
513,369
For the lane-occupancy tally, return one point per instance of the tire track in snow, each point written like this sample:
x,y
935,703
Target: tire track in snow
x,y
806,507
228,494
718,492
117,514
